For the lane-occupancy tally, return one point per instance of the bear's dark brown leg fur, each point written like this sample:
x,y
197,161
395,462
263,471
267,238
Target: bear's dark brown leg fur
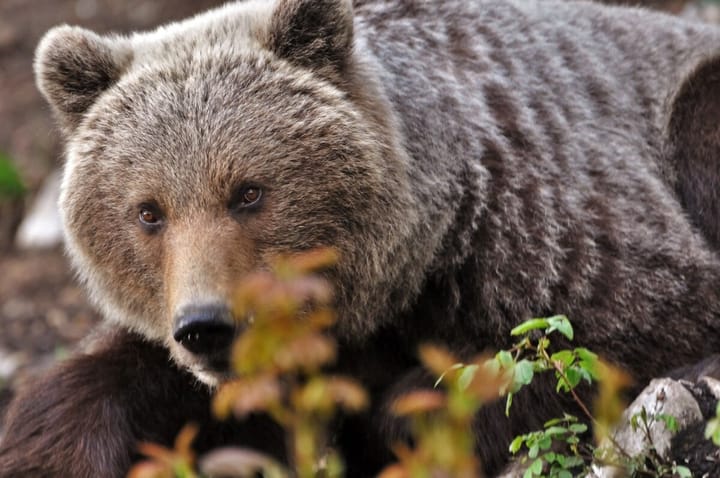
x,y
87,415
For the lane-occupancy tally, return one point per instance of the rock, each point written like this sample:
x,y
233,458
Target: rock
x,y
662,396
41,228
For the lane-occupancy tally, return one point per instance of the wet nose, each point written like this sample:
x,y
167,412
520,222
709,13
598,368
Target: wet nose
x,y
206,330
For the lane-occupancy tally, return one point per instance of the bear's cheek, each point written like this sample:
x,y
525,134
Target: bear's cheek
x,y
123,268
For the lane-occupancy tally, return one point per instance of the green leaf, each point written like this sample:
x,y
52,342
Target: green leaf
x,y
505,358
585,355
536,467
551,422
527,326
534,450
492,365
588,361
522,374
555,430
578,428
466,376
712,430
564,474
566,357
516,444
10,183
669,421
561,324
573,461
573,375
682,471
584,374
508,404
545,443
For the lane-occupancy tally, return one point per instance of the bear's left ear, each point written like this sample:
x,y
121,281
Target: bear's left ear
x,y
73,66
316,34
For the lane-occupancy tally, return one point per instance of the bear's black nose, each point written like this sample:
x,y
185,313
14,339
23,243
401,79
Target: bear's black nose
x,y
206,330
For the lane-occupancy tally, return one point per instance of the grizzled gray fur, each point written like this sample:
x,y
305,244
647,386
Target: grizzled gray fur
x,y
475,164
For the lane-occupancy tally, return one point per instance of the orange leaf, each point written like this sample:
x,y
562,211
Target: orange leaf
x,y
420,401
184,441
310,261
246,396
437,359
347,393
311,289
157,452
394,471
150,469
308,352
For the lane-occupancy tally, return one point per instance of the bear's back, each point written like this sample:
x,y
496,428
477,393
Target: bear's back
x,y
540,134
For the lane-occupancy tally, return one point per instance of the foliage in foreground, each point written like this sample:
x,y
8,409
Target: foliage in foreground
x,y
10,183
280,359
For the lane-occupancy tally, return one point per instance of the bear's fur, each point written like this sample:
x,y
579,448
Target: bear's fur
x,y
474,163
87,416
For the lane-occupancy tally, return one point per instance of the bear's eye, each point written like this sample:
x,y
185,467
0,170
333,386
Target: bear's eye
x,y
150,216
251,195
246,197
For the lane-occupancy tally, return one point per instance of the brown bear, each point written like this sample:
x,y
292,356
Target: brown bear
x,y
475,164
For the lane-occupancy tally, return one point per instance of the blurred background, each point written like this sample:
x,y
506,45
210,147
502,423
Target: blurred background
x,y
42,311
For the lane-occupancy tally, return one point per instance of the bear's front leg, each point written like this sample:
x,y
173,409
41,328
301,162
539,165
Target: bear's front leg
x,y
85,417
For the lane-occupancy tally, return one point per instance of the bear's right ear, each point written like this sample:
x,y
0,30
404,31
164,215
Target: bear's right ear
x,y
73,66
316,34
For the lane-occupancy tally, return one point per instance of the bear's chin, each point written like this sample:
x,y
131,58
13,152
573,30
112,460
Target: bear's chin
x,y
211,372
210,377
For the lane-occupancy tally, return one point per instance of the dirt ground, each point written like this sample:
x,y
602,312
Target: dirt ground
x,y
43,312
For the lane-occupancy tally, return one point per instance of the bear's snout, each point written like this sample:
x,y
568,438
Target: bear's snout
x,y
207,331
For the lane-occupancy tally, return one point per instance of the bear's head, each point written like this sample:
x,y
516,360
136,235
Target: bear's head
x,y
202,150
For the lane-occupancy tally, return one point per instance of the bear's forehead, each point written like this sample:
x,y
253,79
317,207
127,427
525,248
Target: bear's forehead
x,y
214,80
228,100
214,122
234,29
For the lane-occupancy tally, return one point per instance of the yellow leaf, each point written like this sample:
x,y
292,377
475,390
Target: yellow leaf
x,y
313,397
609,405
